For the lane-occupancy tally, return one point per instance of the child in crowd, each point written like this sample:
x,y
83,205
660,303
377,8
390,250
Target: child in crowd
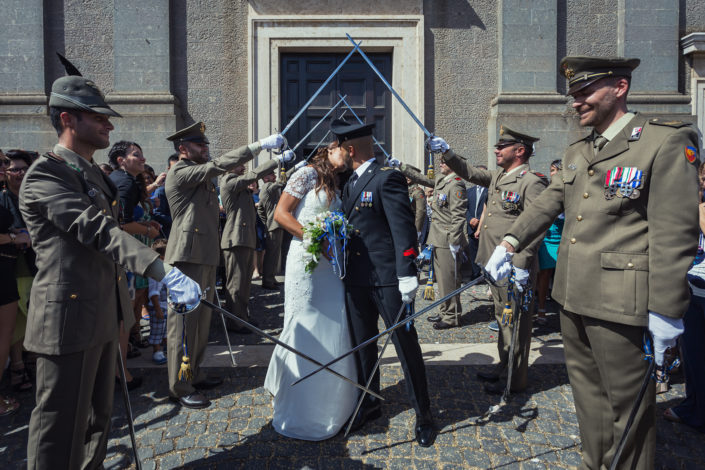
x,y
158,309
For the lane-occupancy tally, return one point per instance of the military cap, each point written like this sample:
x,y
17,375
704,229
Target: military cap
x,y
508,136
76,92
196,132
343,130
584,71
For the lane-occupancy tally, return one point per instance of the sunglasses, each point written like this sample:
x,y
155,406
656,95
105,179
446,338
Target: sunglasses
x,y
17,171
502,146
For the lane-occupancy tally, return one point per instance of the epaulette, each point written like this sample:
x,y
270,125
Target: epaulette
x,y
542,177
385,168
676,124
54,157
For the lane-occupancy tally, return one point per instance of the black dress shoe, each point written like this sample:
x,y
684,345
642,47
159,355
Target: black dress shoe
x,y
491,376
434,318
364,415
208,383
426,434
270,286
441,325
194,400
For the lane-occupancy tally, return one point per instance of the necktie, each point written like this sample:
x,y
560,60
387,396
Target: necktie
x,y
349,185
599,142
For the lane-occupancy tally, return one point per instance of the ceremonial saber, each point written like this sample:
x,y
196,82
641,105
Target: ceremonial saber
x,y
225,329
386,83
320,89
263,334
632,414
393,327
369,379
361,122
325,116
128,408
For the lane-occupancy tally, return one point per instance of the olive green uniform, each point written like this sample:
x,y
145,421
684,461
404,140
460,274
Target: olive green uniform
x,y
78,297
239,238
193,248
418,207
524,186
621,256
448,204
269,194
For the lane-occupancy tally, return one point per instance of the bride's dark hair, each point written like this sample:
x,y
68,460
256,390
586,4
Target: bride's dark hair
x,y
326,174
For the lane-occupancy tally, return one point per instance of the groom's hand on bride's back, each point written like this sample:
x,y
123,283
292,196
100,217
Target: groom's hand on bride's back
x,y
408,285
325,248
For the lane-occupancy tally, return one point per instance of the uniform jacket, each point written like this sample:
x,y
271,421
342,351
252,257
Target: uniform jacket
x,y
507,197
194,206
240,213
448,206
71,211
418,206
623,256
383,247
269,194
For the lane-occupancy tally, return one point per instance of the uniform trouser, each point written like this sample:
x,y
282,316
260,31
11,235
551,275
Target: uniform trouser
x,y
70,423
692,409
504,337
239,266
273,248
197,328
364,306
448,277
606,368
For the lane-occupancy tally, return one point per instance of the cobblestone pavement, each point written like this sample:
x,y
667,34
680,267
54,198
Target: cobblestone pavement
x,y
537,430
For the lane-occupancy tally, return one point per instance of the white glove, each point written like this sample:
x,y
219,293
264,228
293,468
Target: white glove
x,y
407,287
182,289
301,164
273,142
393,162
521,277
500,264
454,249
665,331
287,156
437,144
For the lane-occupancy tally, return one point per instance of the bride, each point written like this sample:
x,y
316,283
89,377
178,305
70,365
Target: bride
x,y
315,321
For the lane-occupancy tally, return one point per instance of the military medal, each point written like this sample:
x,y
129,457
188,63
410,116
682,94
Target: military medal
x,y
572,166
510,200
366,199
623,182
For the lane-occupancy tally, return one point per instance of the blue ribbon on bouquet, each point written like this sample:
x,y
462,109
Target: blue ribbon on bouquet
x,y
338,258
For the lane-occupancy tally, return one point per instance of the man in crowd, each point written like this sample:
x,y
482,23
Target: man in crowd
x,y
448,235
161,212
477,198
239,237
629,190
512,188
194,248
269,194
418,204
79,293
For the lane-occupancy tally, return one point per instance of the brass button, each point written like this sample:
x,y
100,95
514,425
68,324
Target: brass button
x,y
73,296
119,278
357,208
357,231
580,217
357,253
105,211
586,195
591,172
496,190
573,240
489,214
485,227
494,202
630,265
195,230
244,223
115,203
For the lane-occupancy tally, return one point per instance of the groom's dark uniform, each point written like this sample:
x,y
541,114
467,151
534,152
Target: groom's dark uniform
x,y
381,251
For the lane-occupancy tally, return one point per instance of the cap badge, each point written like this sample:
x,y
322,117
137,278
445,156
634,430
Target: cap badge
x,y
203,128
568,72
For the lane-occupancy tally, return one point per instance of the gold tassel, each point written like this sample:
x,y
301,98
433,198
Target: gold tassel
x,y
430,173
185,373
507,315
282,175
428,293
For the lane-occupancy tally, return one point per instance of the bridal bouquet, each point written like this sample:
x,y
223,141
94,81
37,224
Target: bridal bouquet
x,y
330,226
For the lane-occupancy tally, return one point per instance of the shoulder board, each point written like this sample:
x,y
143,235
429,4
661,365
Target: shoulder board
x,y
55,157
676,124
541,176
385,168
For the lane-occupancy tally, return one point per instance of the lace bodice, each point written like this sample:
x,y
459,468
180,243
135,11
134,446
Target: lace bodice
x,y
301,185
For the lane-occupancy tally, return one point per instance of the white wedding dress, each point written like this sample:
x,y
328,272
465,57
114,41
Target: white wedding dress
x,y
315,323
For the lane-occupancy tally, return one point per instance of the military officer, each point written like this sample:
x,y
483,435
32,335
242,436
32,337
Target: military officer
x,y
448,235
629,190
239,237
79,293
269,194
194,248
511,188
381,274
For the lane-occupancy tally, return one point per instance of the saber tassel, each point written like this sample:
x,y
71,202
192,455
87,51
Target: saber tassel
x,y
428,293
185,372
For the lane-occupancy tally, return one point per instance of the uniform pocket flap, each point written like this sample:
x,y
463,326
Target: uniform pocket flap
x,y
568,176
624,261
65,292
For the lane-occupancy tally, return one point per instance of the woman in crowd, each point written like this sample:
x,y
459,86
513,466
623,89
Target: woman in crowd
x,y
127,160
25,269
691,410
261,234
548,254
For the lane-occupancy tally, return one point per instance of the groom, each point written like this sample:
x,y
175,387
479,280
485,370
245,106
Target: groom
x,y
380,273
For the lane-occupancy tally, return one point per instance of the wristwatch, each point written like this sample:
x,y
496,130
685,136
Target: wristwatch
x,y
13,237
